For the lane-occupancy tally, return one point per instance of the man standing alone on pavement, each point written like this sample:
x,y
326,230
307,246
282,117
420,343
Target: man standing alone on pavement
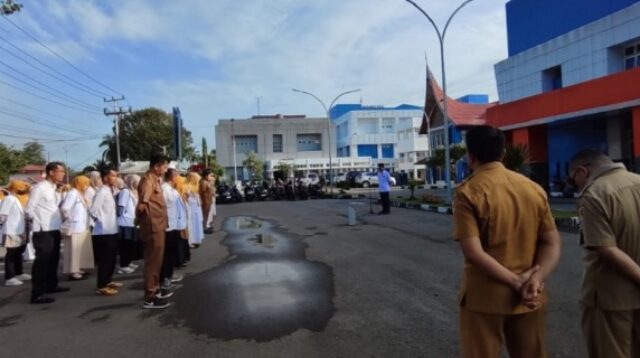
x,y
151,215
384,186
609,205
44,215
510,243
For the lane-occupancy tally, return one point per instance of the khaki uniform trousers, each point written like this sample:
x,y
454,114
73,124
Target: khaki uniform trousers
x,y
611,334
482,335
153,256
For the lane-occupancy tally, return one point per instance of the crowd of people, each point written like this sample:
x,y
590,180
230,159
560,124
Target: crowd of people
x,y
100,221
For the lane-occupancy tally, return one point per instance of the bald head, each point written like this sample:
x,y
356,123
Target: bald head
x,y
589,158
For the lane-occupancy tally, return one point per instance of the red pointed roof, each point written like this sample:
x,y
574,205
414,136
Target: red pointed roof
x,y
461,114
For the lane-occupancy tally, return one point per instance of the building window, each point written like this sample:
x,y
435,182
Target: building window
x,y
632,56
309,142
387,150
552,79
246,144
277,143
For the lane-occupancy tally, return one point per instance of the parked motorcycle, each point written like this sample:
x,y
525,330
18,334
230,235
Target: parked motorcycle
x,y
223,194
249,192
289,191
302,190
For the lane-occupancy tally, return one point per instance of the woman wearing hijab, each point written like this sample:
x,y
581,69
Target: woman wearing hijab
x,y
96,183
128,241
76,237
184,251
196,229
14,231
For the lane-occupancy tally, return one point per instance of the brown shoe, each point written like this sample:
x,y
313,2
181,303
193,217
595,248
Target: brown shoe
x,y
107,291
115,285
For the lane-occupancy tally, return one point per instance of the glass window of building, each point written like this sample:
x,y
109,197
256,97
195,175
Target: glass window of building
x,y
246,144
632,56
309,142
277,143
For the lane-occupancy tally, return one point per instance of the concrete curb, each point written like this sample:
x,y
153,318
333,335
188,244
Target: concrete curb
x,y
562,223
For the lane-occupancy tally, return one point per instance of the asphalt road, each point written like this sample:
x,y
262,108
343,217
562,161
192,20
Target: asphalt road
x,y
288,279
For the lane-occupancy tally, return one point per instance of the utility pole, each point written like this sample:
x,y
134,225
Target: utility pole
x,y
66,166
117,112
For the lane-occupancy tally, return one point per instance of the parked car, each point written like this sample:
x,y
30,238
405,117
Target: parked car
x,y
340,178
310,179
367,179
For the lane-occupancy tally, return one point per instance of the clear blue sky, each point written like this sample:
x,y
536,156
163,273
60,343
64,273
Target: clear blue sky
x,y
213,58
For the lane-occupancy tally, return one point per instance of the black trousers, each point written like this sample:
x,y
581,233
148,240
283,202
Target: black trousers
x,y
13,262
44,273
386,203
184,254
105,249
169,260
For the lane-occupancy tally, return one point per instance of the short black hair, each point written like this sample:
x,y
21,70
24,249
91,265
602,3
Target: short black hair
x,y
380,165
158,158
486,143
206,172
169,174
106,171
52,166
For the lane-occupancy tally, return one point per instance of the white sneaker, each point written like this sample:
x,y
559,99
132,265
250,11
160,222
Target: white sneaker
x,y
24,277
133,266
125,270
13,282
176,278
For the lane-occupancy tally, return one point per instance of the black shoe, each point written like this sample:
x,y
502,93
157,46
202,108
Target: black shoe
x,y
155,303
59,289
163,294
42,300
208,230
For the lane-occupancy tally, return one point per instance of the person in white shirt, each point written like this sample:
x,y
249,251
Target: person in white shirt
x,y
129,237
43,214
14,231
384,186
76,236
105,233
90,193
196,229
177,223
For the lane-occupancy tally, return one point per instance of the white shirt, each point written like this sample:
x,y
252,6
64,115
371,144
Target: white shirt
x,y
384,179
176,208
103,211
42,207
89,194
74,210
12,214
128,203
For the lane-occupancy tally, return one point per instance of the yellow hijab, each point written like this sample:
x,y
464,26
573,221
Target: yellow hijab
x,y
81,183
20,189
193,180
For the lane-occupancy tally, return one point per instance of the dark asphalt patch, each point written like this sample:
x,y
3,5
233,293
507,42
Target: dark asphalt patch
x,y
10,320
267,289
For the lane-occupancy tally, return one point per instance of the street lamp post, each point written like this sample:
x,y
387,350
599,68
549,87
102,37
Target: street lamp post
x,y
329,123
441,38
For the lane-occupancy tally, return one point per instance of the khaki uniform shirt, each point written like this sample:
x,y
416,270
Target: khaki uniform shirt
x,y
508,212
153,217
609,208
206,194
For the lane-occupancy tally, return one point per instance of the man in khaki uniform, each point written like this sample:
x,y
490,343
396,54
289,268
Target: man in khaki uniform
x,y
609,207
151,215
510,242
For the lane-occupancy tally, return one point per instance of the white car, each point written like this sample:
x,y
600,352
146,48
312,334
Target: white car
x,y
367,179
340,178
311,179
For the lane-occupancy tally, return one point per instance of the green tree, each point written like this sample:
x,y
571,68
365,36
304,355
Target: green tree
x,y
516,158
254,165
205,153
146,131
285,168
33,153
10,162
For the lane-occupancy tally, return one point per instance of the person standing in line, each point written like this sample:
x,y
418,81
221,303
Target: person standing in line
x,y
196,229
184,248
208,199
43,214
78,253
608,205
151,216
384,187
176,214
105,233
510,243
12,222
128,239
90,193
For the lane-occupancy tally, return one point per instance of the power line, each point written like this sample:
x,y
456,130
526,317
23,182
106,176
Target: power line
x,y
89,157
42,122
53,92
48,99
78,85
60,56
34,109
46,140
